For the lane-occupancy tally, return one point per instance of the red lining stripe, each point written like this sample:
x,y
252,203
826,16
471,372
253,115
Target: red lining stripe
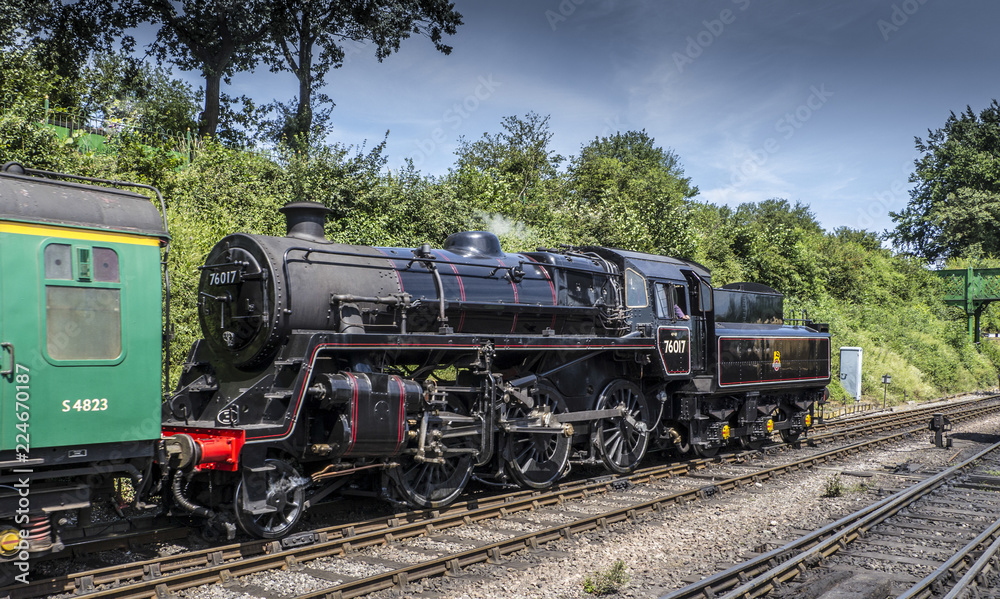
x,y
552,287
402,412
513,285
461,291
773,381
354,412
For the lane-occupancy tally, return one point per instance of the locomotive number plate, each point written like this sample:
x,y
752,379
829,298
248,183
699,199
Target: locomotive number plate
x,y
674,345
227,277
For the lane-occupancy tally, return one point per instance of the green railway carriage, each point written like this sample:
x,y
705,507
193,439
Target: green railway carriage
x,y
81,333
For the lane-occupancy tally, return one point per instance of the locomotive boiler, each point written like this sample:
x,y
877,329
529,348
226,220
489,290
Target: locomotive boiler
x,y
406,372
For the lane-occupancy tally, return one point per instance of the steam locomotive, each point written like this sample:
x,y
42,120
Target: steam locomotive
x,y
327,368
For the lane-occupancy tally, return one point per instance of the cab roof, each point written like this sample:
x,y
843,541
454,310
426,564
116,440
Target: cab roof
x,y
652,265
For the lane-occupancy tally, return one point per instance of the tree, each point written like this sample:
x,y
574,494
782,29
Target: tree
x,y
520,155
122,88
634,193
309,36
954,207
778,212
216,37
63,35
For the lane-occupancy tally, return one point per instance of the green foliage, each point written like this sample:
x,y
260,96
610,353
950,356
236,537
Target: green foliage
x,y
954,207
24,139
518,160
771,242
621,190
834,487
120,88
217,38
24,82
633,195
606,582
63,35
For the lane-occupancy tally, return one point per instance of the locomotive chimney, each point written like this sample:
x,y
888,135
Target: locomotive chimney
x,y
305,220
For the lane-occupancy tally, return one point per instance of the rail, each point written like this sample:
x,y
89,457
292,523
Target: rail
x,y
164,575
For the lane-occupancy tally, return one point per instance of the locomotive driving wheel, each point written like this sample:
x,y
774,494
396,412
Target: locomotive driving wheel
x,y
285,494
622,440
537,460
439,477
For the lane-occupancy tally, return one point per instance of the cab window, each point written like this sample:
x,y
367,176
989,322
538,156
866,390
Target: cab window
x,y
635,290
664,307
668,298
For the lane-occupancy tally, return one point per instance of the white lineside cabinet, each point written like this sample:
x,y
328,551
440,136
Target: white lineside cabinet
x,y
850,371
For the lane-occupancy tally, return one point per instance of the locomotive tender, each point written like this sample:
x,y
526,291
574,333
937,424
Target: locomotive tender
x,y
403,373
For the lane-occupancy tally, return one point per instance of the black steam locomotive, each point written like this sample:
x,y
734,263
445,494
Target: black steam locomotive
x,y
414,370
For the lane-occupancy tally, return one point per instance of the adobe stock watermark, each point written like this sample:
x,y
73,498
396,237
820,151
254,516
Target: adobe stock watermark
x,y
787,126
900,16
453,117
893,198
566,9
714,28
15,543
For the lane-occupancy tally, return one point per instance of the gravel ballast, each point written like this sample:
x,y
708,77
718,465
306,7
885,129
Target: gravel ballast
x,y
682,543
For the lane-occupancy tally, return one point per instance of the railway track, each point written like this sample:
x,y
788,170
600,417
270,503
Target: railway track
x,y
946,527
648,490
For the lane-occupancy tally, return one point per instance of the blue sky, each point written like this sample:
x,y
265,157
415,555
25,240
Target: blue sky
x,y
815,101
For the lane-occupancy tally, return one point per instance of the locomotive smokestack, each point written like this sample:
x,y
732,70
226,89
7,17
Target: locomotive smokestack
x,y
305,220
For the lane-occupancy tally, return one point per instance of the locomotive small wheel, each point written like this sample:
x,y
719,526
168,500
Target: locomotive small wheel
x,y
534,460
622,444
430,485
284,492
787,435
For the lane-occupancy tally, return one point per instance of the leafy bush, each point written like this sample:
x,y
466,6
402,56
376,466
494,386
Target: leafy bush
x,y
834,487
607,581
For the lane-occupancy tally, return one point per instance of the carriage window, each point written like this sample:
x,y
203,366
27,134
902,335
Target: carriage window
x,y
105,265
83,319
83,323
57,262
635,290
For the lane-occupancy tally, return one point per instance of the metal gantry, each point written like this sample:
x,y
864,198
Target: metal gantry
x,y
971,289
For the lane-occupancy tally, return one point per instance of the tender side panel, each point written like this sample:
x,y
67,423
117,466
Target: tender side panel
x,y
766,360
